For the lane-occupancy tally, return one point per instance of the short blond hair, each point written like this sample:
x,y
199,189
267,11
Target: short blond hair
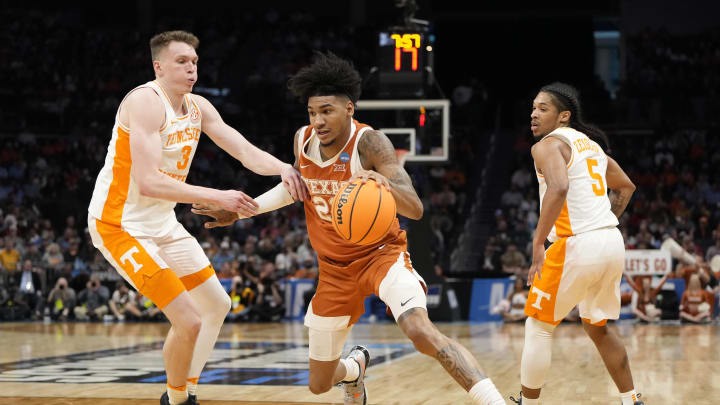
x,y
163,39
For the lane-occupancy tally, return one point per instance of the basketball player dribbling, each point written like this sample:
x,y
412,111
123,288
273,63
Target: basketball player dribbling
x,y
584,264
131,215
333,150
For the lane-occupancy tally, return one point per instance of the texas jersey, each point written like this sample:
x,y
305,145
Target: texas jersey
x,y
586,206
324,179
117,200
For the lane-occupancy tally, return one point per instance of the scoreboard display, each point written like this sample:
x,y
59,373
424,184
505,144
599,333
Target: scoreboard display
x,y
403,56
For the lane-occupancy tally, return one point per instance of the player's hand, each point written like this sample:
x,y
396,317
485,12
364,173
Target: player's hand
x,y
221,216
537,263
365,175
236,201
294,183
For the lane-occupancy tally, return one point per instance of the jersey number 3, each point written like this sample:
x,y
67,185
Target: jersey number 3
x,y
183,162
598,190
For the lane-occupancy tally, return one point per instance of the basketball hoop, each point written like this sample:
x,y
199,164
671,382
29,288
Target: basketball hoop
x,y
401,155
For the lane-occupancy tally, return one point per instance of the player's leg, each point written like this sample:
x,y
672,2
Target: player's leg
x,y
602,302
185,256
549,301
536,358
613,353
137,261
402,291
326,338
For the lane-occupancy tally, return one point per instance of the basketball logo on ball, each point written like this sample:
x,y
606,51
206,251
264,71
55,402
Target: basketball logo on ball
x,y
363,213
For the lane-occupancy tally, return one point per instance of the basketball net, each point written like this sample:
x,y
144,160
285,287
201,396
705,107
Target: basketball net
x,y
401,155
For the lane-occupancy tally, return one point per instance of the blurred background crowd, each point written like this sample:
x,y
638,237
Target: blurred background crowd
x,y
58,104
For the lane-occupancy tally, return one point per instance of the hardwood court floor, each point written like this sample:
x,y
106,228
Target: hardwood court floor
x,y
49,363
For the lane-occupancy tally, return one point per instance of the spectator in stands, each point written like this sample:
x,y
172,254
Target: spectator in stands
x,y
53,258
92,302
223,256
9,256
713,250
491,259
285,259
516,299
61,300
513,261
644,307
512,197
30,289
521,178
697,304
122,304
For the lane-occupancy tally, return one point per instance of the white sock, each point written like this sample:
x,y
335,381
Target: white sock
x,y
213,303
352,370
485,393
628,398
528,401
192,384
176,395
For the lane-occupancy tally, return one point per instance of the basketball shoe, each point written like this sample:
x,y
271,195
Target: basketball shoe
x,y
519,400
355,392
192,400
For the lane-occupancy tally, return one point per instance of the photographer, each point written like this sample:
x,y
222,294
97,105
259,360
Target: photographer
x,y
122,302
242,297
92,301
269,304
60,300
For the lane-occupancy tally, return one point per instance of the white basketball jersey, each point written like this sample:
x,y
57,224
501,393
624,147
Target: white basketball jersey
x,y
116,199
586,206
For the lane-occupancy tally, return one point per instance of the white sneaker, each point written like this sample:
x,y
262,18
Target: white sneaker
x,y
355,392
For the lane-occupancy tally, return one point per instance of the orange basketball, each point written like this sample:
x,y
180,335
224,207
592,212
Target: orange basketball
x,y
363,213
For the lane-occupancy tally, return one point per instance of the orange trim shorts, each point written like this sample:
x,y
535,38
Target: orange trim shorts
x,y
159,267
583,270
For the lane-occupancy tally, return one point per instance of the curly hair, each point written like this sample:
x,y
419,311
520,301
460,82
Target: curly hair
x,y
567,98
329,75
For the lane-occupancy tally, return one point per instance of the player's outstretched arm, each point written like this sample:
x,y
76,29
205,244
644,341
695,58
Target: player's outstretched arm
x,y
621,187
380,161
271,200
259,161
549,159
145,117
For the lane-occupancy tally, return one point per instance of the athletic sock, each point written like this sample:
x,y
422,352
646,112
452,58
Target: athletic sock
x,y
177,395
528,401
485,393
192,385
628,398
352,370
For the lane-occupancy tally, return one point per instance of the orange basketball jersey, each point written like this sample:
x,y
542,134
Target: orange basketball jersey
x,y
324,179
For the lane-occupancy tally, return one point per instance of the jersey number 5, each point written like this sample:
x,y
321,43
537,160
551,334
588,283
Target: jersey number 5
x,y
183,162
598,190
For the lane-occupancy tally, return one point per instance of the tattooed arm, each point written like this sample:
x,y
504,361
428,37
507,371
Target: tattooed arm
x,y
378,157
621,187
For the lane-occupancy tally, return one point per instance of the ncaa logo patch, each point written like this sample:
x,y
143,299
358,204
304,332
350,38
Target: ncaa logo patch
x,y
344,157
194,114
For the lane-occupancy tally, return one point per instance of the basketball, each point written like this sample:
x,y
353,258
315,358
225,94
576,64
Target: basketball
x,y
363,213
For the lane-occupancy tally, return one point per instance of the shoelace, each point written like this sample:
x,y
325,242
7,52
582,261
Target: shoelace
x,y
517,401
